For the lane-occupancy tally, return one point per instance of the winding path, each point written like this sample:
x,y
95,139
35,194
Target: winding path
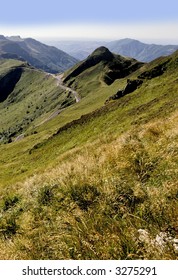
x,y
61,85
57,112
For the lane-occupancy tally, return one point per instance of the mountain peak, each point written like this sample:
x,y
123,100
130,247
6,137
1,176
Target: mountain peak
x,y
102,53
113,66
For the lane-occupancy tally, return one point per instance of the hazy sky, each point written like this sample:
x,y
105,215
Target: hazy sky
x,y
152,20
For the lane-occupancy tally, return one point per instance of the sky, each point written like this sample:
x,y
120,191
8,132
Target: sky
x,y
152,20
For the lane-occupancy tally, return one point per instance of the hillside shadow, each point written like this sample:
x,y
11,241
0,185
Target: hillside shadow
x,y
8,82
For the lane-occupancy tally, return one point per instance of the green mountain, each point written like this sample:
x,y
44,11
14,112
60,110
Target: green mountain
x,y
104,63
27,93
99,180
41,56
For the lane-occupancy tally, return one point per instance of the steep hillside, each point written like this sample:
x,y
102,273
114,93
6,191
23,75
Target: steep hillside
x,y
101,66
25,94
41,56
98,181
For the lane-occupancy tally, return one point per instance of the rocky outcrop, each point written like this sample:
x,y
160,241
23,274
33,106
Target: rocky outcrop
x,y
155,71
160,242
131,86
120,70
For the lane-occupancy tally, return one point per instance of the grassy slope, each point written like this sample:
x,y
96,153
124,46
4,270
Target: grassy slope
x,y
95,184
35,94
92,101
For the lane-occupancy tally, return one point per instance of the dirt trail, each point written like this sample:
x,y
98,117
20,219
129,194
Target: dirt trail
x,y
68,89
61,85
56,113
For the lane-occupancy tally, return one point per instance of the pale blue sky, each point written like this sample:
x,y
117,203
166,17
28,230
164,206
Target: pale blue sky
x,y
150,20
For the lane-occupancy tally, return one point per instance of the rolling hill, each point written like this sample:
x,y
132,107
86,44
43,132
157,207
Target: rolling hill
x,y
97,178
41,56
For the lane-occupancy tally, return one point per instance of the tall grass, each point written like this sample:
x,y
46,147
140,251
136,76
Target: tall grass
x,y
92,204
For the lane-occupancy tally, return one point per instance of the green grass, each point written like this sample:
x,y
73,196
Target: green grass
x,y
34,95
84,192
5,64
146,103
91,204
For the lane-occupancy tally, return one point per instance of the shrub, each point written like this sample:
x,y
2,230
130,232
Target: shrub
x,y
45,195
8,226
142,165
9,202
85,196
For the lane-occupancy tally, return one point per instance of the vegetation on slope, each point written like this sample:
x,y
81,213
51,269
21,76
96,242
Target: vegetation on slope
x,y
87,190
26,94
112,66
92,204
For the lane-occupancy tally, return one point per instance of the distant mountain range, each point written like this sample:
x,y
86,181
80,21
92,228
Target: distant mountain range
x,y
41,56
77,49
66,54
127,47
140,51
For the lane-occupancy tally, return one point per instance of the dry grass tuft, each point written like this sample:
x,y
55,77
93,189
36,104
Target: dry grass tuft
x,y
92,204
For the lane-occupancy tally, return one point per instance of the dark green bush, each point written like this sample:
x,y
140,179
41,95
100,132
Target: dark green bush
x,y
8,226
85,196
9,202
45,195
